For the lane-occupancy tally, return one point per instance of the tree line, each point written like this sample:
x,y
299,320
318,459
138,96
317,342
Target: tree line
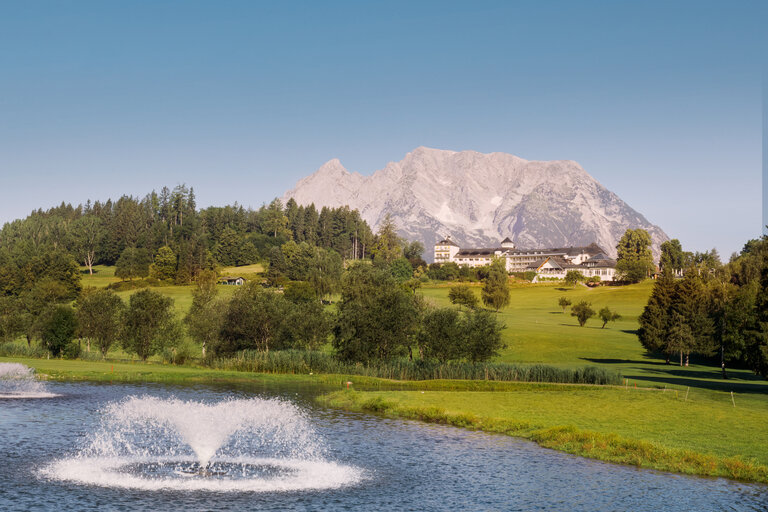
x,y
700,306
134,234
378,317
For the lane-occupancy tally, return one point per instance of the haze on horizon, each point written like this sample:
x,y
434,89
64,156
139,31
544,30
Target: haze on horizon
x,y
660,102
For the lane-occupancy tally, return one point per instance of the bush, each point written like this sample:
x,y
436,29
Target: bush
x,y
71,350
179,355
463,295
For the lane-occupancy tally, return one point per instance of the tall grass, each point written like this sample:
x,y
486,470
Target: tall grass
x,y
305,362
14,349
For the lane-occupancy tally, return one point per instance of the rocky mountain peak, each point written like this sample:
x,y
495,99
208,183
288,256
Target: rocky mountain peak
x,y
479,199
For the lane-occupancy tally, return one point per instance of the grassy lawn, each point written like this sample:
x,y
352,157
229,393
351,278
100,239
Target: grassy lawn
x,y
537,331
648,415
102,276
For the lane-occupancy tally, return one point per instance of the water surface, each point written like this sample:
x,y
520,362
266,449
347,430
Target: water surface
x,y
406,465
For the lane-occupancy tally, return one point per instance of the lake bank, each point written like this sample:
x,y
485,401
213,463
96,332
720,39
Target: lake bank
x,y
644,427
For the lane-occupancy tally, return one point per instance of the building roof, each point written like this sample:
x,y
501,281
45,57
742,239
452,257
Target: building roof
x,y
507,241
447,241
555,261
463,253
591,249
600,261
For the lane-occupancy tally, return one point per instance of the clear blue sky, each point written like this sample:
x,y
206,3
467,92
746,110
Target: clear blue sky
x,y
660,101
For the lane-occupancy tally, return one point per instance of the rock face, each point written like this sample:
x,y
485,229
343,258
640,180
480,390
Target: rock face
x,y
479,199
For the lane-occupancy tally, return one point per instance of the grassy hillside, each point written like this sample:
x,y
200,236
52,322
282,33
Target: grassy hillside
x,y
182,295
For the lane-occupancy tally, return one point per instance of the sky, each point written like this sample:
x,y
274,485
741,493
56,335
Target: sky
x,y
660,101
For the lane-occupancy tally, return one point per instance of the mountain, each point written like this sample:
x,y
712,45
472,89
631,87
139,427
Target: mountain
x,y
480,199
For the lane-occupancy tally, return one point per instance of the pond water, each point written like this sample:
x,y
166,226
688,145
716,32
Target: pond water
x,y
106,447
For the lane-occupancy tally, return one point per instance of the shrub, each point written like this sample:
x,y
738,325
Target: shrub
x,y
71,350
463,295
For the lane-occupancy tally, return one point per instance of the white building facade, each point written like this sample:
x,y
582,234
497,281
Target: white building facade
x,y
554,263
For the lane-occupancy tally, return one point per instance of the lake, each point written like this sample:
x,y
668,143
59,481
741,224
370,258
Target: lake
x,y
353,461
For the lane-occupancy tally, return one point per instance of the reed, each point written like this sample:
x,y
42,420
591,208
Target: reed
x,y
306,362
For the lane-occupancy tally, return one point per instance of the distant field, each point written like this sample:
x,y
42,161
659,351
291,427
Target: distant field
x,y
182,295
537,331
102,276
246,271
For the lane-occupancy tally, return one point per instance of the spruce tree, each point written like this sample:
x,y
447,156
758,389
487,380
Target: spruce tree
x,y
655,320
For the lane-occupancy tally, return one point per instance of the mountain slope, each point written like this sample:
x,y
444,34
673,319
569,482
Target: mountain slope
x,y
479,199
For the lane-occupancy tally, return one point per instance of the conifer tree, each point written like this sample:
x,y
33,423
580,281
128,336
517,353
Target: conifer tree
x,y
655,321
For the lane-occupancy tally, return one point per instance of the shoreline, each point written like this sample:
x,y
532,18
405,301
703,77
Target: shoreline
x,y
604,446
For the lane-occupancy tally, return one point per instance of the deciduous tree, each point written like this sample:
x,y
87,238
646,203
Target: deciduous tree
x,y
376,317
133,263
164,267
462,295
148,318
58,327
574,277
582,311
606,315
100,314
495,292
635,259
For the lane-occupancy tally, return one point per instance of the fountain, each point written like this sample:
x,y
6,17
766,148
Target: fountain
x,y
245,445
18,381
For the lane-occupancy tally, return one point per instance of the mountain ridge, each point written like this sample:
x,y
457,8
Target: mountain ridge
x,y
479,199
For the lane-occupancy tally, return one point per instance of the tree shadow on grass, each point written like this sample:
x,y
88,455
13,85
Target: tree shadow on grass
x,y
737,385
630,331
622,361
585,327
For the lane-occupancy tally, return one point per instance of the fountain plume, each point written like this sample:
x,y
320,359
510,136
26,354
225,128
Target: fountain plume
x,y
234,445
18,381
